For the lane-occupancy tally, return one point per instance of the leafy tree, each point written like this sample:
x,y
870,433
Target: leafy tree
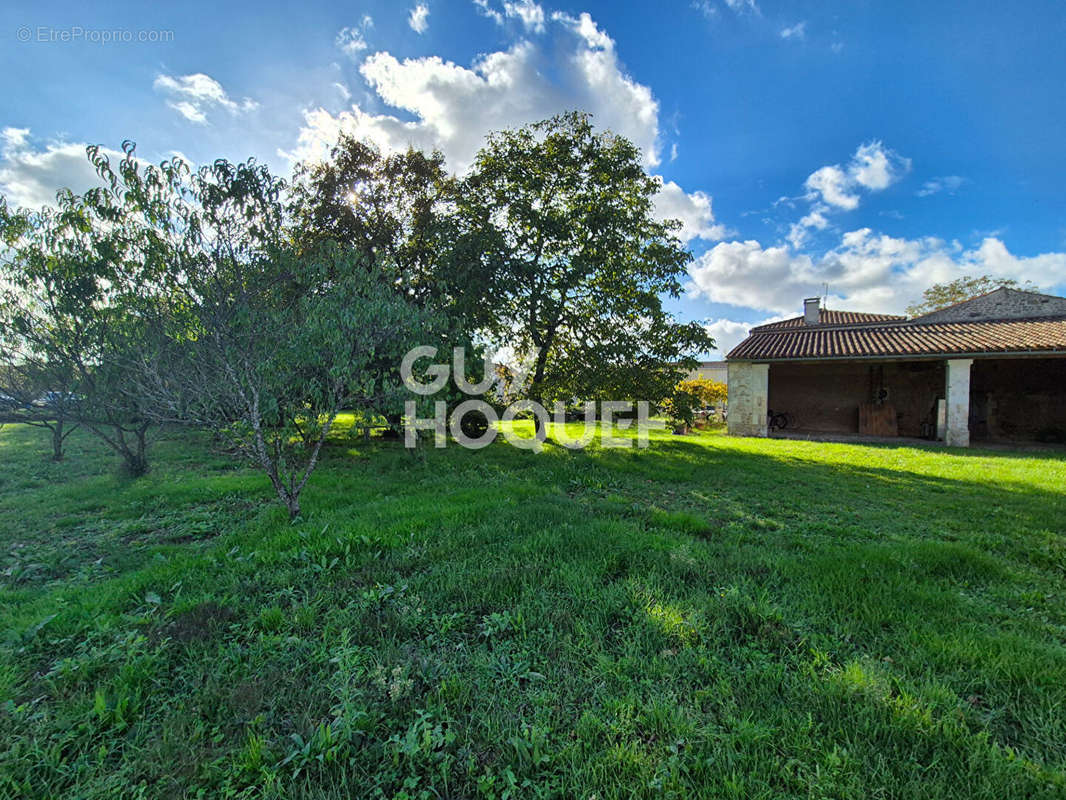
x,y
268,367
35,392
70,278
397,211
942,295
260,341
558,223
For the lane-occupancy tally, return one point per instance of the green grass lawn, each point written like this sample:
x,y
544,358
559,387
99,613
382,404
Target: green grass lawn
x,y
709,617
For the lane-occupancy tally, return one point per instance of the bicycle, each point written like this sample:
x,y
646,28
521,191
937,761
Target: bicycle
x,y
779,420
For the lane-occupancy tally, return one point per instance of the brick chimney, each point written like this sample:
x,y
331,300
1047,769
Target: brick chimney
x,y
812,312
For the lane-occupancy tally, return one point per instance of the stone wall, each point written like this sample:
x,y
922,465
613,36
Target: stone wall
x,y
747,398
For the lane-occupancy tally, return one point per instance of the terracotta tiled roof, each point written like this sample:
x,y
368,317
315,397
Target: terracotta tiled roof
x,y
829,317
901,338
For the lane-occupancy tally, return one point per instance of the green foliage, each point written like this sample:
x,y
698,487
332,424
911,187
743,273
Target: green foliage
x,y
942,295
70,283
261,341
692,395
177,296
35,390
710,617
562,230
394,211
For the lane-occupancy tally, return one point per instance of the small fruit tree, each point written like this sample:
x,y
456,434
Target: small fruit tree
x,y
690,396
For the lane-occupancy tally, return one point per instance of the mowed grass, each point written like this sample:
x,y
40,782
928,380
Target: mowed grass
x,y
709,617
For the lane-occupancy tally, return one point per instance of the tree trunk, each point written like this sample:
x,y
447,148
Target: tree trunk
x,y
539,428
292,502
57,441
136,460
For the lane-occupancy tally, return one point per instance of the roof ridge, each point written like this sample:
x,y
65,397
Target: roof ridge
x,y
874,318
907,339
958,303
984,320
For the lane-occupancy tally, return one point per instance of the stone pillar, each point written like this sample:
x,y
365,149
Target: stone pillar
x,y
748,388
957,397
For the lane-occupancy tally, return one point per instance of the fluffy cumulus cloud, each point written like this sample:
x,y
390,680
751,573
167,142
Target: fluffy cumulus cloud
x,y
194,96
834,186
694,211
30,175
837,187
455,106
866,271
873,168
418,19
529,13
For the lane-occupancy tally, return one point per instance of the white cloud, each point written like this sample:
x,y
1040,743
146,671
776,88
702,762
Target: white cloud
x,y
873,168
694,211
352,40
797,31
798,232
876,168
746,274
530,14
14,139
189,110
194,95
488,11
834,186
865,272
741,6
419,18
728,333
30,177
705,7
454,107
945,183
344,91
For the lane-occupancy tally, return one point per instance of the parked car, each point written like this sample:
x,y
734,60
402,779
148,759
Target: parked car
x,y
9,403
56,399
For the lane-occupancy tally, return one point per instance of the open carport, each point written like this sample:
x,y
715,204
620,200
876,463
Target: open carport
x,y
990,369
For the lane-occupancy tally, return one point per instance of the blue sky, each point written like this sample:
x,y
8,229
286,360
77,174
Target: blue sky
x,y
873,147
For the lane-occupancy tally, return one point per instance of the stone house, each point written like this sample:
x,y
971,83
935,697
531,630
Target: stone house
x,y
992,368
